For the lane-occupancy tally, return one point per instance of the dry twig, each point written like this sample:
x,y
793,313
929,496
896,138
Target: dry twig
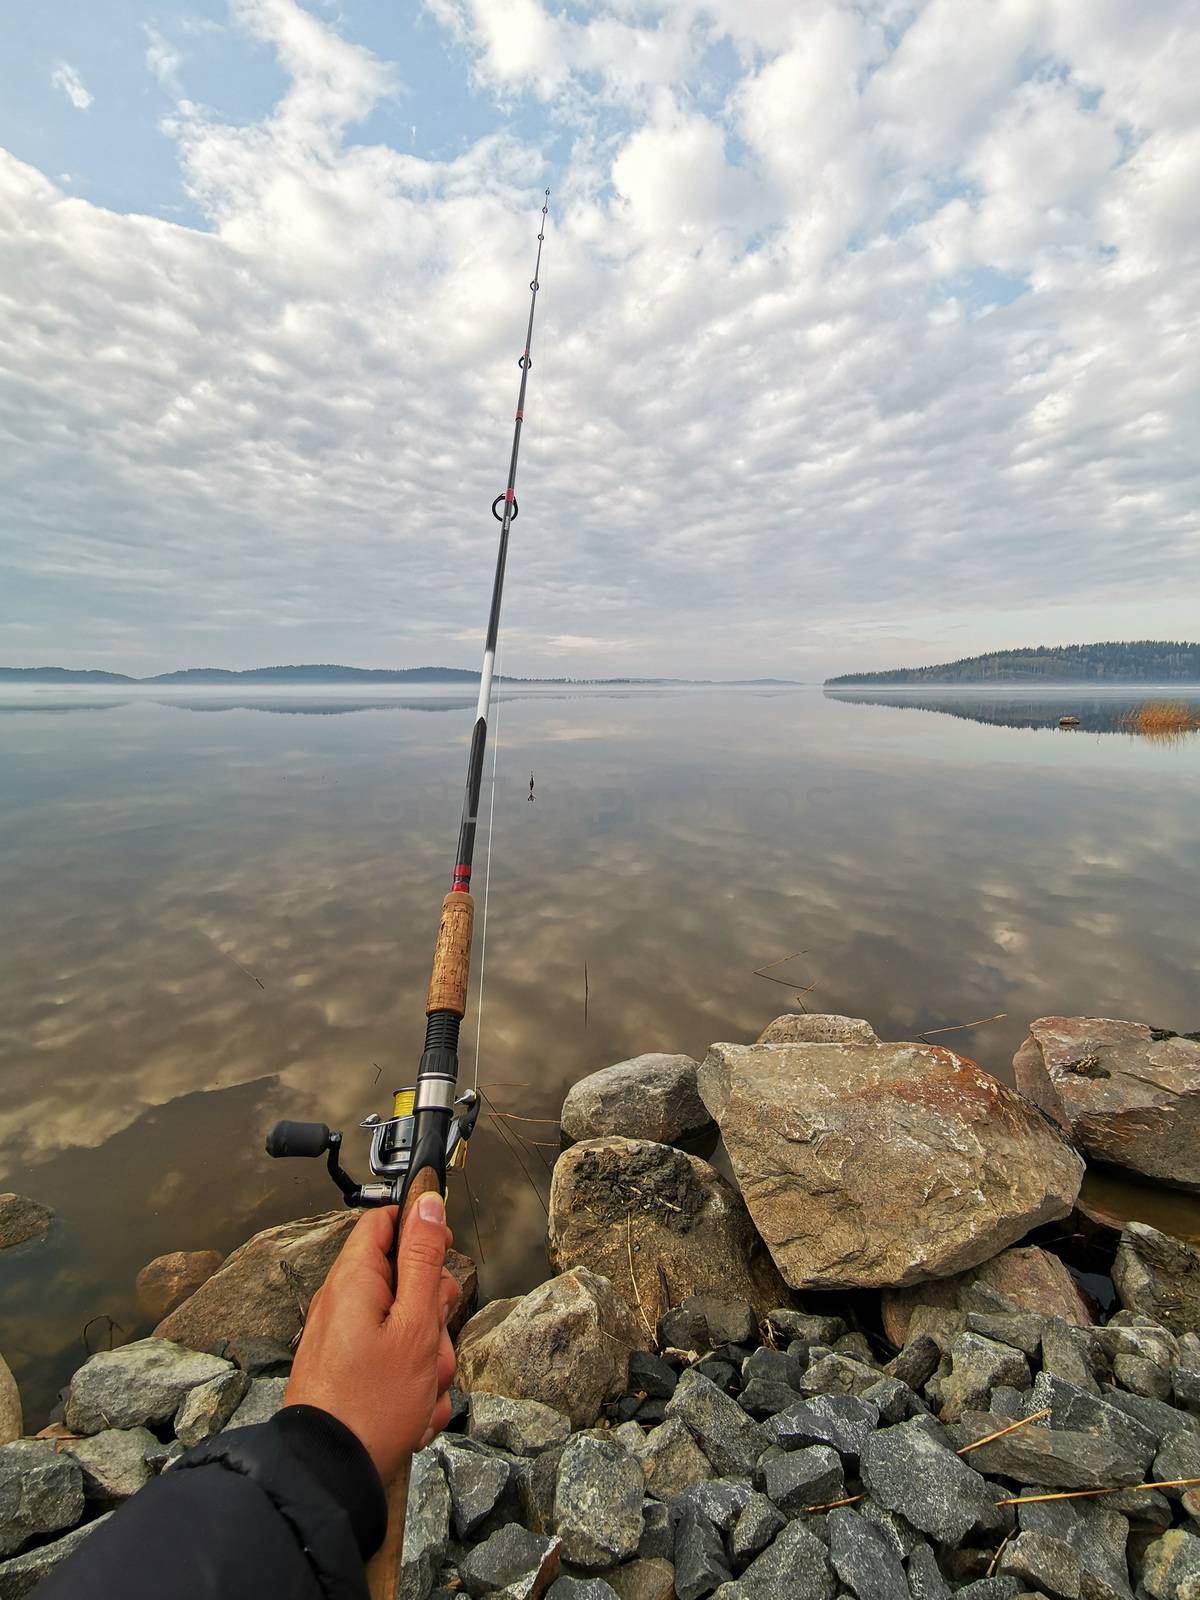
x,y
1000,1432
960,1027
633,1279
1086,1494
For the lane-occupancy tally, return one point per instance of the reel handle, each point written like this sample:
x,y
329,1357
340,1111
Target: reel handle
x,y
298,1139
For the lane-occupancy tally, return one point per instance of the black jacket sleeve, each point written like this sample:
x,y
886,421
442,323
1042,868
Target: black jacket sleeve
x,y
289,1509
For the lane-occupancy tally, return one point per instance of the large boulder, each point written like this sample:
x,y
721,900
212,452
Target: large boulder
x,y
566,1343
1028,1278
140,1384
1126,1093
887,1164
11,1422
660,1224
265,1287
1158,1276
808,1027
651,1097
21,1219
167,1281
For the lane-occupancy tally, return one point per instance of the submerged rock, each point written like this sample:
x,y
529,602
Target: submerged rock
x,y
167,1281
566,1344
885,1164
686,1232
651,1097
22,1218
1158,1276
1126,1096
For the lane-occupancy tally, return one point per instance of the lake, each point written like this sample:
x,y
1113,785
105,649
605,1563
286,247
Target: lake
x,y
219,910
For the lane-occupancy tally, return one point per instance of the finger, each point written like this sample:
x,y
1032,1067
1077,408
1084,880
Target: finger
x,y
421,1255
439,1419
448,1295
447,1365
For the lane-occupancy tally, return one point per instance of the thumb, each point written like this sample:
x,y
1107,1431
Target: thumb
x,y
421,1254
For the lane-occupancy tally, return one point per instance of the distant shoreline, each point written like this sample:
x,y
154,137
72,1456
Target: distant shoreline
x,y
307,677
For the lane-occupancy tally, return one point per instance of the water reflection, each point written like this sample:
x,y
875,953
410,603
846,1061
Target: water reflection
x,y
1109,712
215,921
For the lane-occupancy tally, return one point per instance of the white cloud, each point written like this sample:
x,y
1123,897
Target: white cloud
x,y
163,59
66,78
781,417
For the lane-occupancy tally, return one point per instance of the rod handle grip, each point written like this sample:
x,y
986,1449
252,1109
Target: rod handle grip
x,y
452,955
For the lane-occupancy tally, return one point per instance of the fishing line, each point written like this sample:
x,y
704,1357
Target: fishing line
x,y
487,874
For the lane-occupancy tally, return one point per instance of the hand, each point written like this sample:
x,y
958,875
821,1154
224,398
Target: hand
x,y
382,1363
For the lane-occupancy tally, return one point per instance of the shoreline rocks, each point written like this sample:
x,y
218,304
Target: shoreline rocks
x,y
167,1281
649,1097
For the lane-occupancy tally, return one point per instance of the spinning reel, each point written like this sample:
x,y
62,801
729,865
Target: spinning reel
x,y
391,1146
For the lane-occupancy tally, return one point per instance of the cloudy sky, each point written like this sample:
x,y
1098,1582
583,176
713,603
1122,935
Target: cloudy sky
x,y
867,336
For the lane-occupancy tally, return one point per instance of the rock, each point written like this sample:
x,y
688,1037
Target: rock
x,y
40,1492
1169,1563
522,1427
794,1567
894,1400
651,1097
22,1219
167,1281
1142,1376
1021,1330
476,1479
1185,1383
730,1439
884,1164
1178,1458
1095,1532
700,1562
812,1028
1028,1279
1074,1408
977,1365
835,1374
1162,1420
728,1321
773,1366
925,1580
898,1534
1051,1458
1071,1353
114,1462
803,1478
843,1421
1126,1097
864,1562
160,1456
598,1503
991,1589
580,1589
719,1372
209,1406
671,1460
23,1573
912,1473
1042,1563
566,1344
643,1580
757,1524
682,1330
762,1398
466,1275
917,1362
658,1541
786,1325
258,1358
651,1375
1159,1276
686,1229
262,1400
140,1383
11,1420
426,1526
721,1500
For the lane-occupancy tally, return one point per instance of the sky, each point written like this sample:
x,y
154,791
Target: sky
x,y
867,334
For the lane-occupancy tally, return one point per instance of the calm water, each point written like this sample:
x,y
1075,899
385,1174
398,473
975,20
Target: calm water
x,y
218,911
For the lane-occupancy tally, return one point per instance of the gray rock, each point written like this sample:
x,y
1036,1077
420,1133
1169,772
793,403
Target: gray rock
x,y
837,1374
925,1580
426,1526
700,1561
991,1589
160,1456
1041,1562
864,1562
773,1366
844,1421
41,1492
683,1330
917,1362
721,1500
1051,1458
476,1479
1021,1330
522,1427
1127,1334
138,1384
730,1439
757,1524
856,1344
580,1589
795,1566
512,1557
658,1539
899,1535
977,1365
1070,1352
1162,1420
671,1460
651,1375
719,1372
1074,1408
912,1473
763,1398
727,1321
1186,1388
650,1097
1098,1535
1179,1457
566,1344
20,1575
643,1580
894,1400
22,1219
814,1028
598,1503
938,1165
802,1478
1142,1376
258,1357
1124,1096
786,1325
114,1462
209,1406
262,1400
11,1420
1170,1563
1007,1402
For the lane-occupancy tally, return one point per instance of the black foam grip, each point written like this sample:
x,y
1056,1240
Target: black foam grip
x,y
298,1139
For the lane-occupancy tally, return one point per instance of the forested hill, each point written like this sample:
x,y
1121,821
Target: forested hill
x,y
1138,661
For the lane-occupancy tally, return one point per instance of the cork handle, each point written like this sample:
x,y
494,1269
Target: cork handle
x,y
452,956
383,1569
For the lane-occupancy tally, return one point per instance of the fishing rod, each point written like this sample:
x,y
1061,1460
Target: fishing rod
x,y
431,1123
